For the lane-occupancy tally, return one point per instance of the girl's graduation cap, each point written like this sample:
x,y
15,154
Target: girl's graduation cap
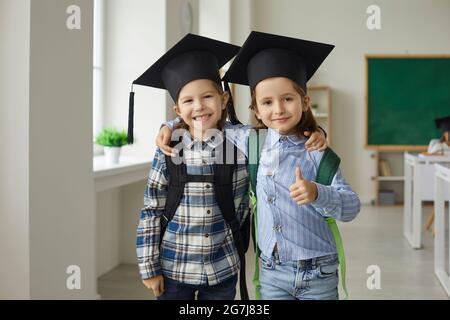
x,y
193,57
265,55
443,123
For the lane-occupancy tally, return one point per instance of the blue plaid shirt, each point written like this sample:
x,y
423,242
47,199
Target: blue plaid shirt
x,y
197,247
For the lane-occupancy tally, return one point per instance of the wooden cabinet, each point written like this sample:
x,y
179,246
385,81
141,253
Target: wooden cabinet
x,y
389,179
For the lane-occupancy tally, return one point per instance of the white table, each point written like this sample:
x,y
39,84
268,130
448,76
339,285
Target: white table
x,y
442,183
419,186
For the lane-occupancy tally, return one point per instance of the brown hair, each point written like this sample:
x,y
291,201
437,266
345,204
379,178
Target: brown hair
x,y
443,138
223,118
307,122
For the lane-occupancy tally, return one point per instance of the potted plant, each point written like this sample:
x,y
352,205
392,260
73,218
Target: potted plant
x,y
112,140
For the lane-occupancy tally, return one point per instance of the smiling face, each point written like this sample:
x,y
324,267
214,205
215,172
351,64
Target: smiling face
x,y
278,105
201,106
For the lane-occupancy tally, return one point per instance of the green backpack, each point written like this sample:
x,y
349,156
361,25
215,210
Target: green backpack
x,y
327,169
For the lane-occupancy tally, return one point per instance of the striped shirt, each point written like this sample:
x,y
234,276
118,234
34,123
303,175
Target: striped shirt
x,y
197,247
299,231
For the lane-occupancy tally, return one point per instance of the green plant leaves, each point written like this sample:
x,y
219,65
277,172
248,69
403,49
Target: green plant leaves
x,y
111,137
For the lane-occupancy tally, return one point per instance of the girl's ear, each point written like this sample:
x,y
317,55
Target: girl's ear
x,y
257,113
176,108
225,98
306,101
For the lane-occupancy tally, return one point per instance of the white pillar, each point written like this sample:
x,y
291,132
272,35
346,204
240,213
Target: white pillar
x,y
14,130
47,220
62,198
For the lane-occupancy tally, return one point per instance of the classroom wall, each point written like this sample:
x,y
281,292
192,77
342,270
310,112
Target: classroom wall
x,y
214,19
407,26
240,26
14,130
133,41
174,31
108,230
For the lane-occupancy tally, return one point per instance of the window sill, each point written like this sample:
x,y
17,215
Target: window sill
x,y
129,170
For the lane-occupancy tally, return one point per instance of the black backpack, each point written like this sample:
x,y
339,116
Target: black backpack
x,y
223,183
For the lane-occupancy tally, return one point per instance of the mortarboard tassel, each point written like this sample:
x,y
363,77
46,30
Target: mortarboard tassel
x,y
230,105
130,117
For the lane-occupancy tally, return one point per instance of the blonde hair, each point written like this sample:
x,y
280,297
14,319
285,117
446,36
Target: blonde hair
x,y
306,123
183,125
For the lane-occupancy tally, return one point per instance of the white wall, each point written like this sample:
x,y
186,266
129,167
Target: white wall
x,y
47,220
175,31
134,39
241,24
62,199
408,26
214,19
132,197
14,130
109,215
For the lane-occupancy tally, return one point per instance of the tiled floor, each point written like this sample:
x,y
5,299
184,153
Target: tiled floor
x,y
375,237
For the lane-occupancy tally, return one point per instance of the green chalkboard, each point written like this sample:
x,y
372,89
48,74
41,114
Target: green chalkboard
x,y
404,96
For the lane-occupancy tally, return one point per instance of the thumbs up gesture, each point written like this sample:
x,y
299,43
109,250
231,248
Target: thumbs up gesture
x,y
302,191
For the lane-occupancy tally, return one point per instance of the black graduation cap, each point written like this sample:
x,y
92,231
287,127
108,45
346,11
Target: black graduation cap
x,y
443,123
265,55
193,57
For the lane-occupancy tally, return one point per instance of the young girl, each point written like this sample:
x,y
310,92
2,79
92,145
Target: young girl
x,y
298,249
199,203
441,146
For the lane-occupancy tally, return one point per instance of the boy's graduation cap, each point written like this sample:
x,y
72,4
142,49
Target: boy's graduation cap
x,y
443,123
193,57
265,55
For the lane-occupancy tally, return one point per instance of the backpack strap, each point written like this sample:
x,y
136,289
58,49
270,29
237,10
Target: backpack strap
x,y
223,177
178,178
222,181
328,166
223,188
254,148
175,189
327,169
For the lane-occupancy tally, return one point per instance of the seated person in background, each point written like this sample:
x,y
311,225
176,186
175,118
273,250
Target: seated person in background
x,y
441,146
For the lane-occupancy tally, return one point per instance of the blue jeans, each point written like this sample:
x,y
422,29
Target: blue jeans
x,y
174,290
312,279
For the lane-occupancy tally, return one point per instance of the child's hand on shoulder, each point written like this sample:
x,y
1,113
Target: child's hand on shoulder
x,y
163,140
156,284
302,191
316,141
